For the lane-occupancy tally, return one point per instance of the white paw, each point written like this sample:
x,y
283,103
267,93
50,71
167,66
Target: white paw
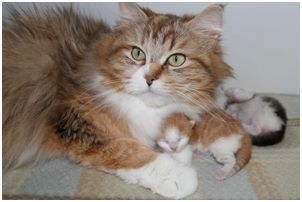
x,y
223,174
164,176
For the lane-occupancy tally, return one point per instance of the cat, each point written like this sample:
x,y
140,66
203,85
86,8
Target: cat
x,y
263,117
74,87
217,133
176,131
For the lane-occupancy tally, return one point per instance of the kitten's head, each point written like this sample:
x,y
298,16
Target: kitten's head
x,y
164,58
175,133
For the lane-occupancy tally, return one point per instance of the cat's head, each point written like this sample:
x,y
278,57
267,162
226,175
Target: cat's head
x,y
175,133
163,59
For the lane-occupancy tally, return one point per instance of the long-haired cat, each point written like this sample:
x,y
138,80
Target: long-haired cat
x,y
217,133
74,87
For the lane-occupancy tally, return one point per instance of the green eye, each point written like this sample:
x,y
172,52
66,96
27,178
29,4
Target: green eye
x,y
176,60
138,54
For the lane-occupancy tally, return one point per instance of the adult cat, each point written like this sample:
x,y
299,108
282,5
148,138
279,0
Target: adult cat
x,y
76,88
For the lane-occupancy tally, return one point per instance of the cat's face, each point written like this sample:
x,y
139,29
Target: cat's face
x,y
173,140
163,58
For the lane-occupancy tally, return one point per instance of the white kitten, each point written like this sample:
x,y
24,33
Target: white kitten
x,y
264,118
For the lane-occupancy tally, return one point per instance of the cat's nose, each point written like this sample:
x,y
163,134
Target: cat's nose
x,y
173,146
149,79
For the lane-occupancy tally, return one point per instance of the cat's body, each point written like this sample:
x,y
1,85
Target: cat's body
x,y
217,133
263,117
73,87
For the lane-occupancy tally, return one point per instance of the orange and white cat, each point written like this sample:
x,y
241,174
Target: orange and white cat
x,y
175,135
217,133
74,87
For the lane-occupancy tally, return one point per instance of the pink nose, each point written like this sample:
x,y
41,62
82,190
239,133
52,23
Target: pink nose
x,y
173,146
149,79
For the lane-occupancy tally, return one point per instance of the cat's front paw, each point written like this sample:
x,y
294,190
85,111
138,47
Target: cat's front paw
x,y
174,180
164,176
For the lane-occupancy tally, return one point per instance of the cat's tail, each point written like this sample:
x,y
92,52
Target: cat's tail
x,y
243,155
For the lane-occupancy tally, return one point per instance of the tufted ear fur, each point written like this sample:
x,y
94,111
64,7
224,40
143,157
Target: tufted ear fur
x,y
131,12
209,21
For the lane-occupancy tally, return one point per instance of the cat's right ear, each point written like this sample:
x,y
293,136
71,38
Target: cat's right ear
x,y
209,21
131,12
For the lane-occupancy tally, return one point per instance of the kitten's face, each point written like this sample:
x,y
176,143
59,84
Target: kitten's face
x,y
173,140
162,58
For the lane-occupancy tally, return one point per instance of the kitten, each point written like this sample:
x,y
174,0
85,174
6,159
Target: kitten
x,y
263,117
218,133
74,87
225,138
176,131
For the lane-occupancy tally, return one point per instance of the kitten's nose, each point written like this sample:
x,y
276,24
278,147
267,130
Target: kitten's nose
x,y
173,146
149,79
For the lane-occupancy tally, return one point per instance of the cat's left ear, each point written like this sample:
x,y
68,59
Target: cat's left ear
x,y
131,12
209,21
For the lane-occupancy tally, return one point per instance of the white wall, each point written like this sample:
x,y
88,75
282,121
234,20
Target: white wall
x,y
261,40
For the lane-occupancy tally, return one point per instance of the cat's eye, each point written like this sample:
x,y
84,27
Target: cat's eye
x,y
138,54
176,60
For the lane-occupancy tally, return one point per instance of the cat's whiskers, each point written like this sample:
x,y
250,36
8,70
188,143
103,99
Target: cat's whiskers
x,y
198,94
203,107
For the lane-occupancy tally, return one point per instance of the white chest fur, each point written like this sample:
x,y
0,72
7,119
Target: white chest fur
x,y
145,121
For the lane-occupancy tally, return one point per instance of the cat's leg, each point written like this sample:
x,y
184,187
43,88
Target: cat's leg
x,y
228,161
223,150
94,141
184,156
138,164
237,95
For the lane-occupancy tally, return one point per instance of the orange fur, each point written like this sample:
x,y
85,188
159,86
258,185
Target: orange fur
x,y
51,105
218,124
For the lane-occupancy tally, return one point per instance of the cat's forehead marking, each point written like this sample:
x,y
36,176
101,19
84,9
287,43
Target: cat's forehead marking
x,y
160,36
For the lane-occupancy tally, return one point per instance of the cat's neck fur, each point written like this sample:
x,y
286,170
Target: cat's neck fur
x,y
144,121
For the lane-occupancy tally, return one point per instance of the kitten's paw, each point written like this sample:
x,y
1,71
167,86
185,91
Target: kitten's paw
x,y
237,95
164,176
222,174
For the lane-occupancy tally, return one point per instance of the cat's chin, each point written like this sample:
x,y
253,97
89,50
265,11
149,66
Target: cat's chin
x,y
154,100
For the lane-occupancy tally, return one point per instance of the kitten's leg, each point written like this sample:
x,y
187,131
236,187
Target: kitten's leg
x,y
94,141
228,161
184,156
237,95
223,150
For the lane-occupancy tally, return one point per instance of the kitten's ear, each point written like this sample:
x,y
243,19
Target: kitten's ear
x,y
192,123
130,11
209,21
